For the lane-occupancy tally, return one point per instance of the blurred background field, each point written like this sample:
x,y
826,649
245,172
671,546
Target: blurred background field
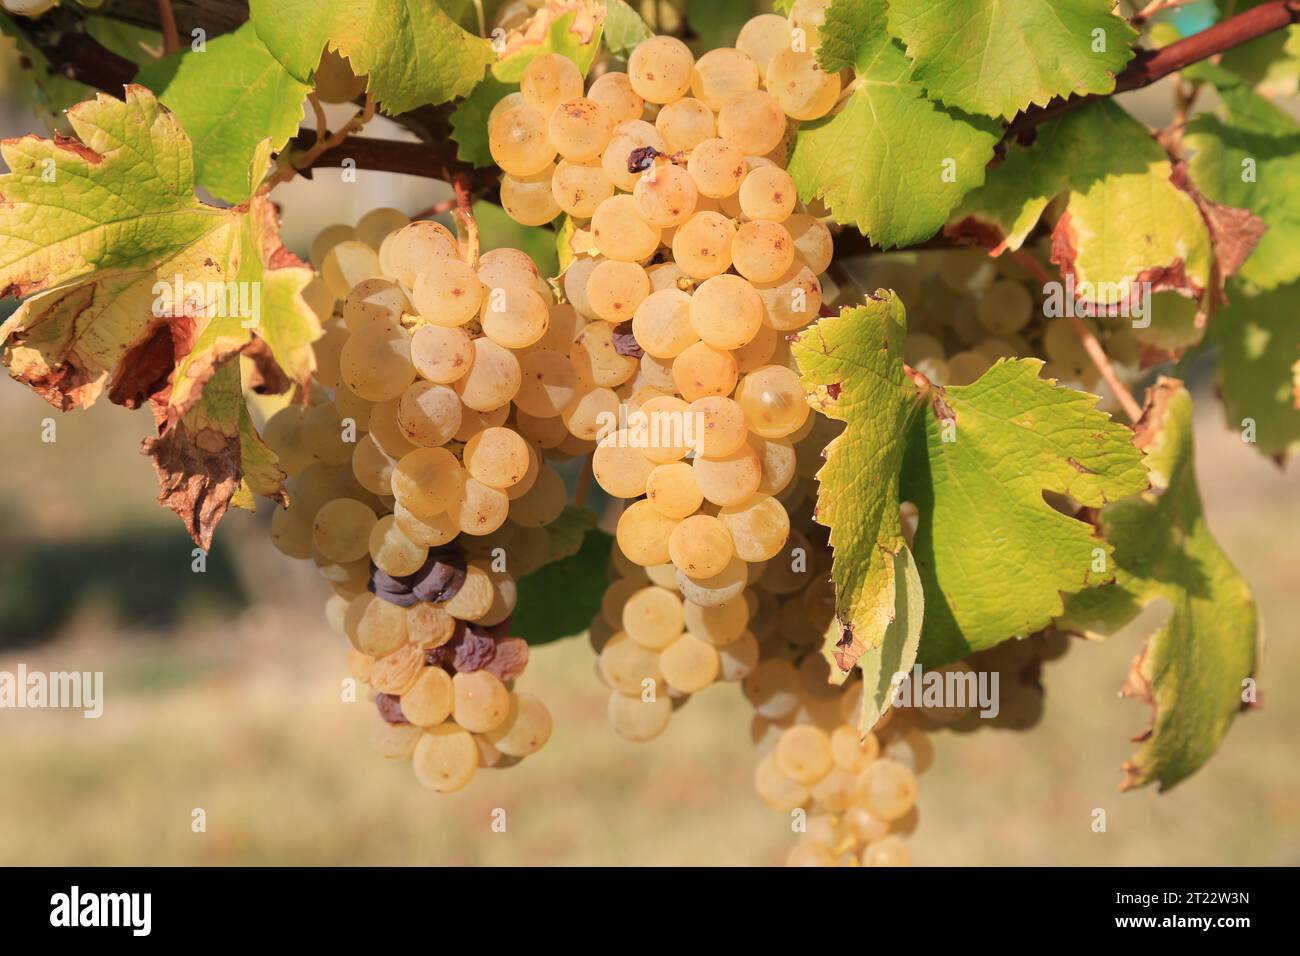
x,y
223,692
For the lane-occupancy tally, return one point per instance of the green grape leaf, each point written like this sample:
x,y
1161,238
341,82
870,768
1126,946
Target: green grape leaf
x,y
496,230
555,28
891,161
413,51
567,532
581,577
1125,222
49,90
896,654
1270,59
469,120
1251,159
1193,670
138,288
998,58
782,7
624,28
717,23
229,98
851,366
995,557
1258,335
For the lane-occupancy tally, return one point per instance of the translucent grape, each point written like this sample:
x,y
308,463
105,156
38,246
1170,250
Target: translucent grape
x,y
1005,307
636,719
719,426
498,457
757,351
414,248
518,141
702,245
689,664
513,317
804,754
595,359
792,301
762,251
752,121
592,413
642,534
762,37
619,232
580,188
548,80
480,509
662,325
341,529
660,69
392,551
429,414
441,354
547,383
812,241
730,479
525,730
493,377
717,167
346,264
375,225
686,123
722,73
772,398
445,758
804,89
652,617
529,200
665,196
615,289
619,468
672,490
700,546
374,301
700,370
759,527
614,91
725,312
629,136
427,481
376,362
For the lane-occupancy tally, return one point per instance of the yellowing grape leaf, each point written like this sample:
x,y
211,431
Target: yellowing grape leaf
x,y
1125,222
571,28
890,161
413,51
998,58
1193,670
139,288
851,366
1258,335
885,666
994,557
229,98
1251,159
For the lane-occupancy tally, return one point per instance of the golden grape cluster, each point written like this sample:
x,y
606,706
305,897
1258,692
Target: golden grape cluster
x,y
414,449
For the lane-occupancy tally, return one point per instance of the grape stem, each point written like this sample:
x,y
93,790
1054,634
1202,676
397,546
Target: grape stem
x,y
167,24
1090,344
466,224
295,164
322,123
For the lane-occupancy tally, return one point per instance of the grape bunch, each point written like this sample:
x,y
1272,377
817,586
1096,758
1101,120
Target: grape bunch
x,y
966,311
702,263
418,483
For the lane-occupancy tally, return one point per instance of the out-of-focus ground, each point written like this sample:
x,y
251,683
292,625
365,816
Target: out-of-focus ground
x,y
224,694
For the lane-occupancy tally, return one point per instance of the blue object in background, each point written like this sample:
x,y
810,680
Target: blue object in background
x,y
1194,17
